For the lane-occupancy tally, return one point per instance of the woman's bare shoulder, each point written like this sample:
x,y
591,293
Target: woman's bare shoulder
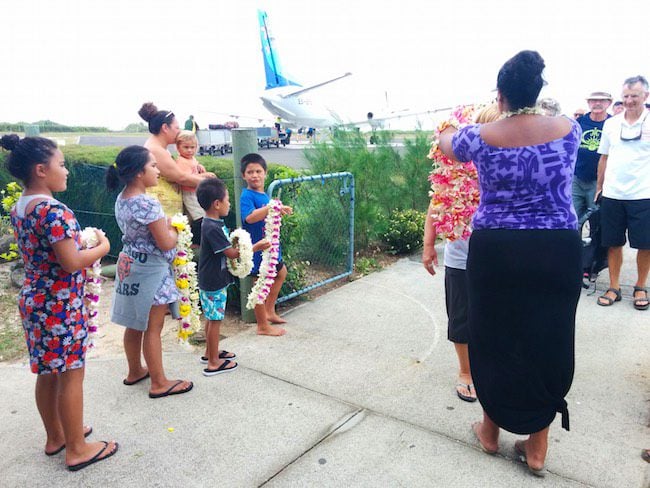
x,y
531,131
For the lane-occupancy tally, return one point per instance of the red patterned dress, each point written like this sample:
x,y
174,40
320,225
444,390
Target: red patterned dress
x,y
51,301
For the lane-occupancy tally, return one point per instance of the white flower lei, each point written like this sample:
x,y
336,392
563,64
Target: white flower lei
x,y
522,111
268,267
93,285
186,279
241,240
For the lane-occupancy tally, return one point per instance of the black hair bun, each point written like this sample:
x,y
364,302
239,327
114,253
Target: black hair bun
x,y
9,141
529,62
148,111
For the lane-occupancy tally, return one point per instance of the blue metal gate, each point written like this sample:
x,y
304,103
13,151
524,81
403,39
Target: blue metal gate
x,y
318,239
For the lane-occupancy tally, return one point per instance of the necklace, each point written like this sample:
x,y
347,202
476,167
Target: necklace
x,y
521,111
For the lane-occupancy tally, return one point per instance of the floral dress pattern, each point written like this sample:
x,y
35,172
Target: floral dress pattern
x,y
51,300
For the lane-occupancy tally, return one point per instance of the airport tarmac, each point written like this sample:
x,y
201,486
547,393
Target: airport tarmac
x,y
291,155
359,393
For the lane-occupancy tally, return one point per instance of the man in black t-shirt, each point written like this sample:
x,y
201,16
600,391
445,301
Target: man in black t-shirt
x,y
584,180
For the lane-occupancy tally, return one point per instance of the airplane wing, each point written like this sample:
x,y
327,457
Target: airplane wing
x,y
378,121
303,90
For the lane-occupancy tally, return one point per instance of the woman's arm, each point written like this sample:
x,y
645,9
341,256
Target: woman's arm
x,y
72,259
172,173
429,254
163,234
445,141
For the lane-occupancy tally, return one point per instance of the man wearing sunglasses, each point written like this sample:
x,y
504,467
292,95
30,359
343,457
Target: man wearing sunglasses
x,y
624,181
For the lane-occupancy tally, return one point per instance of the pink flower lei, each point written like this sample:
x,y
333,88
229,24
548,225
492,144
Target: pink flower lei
x,y
92,287
454,185
268,266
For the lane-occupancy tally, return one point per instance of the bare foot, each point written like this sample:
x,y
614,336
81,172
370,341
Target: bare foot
x,y
489,447
535,461
56,445
270,330
274,318
214,366
90,450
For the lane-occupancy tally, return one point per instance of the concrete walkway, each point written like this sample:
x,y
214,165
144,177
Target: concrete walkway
x,y
359,393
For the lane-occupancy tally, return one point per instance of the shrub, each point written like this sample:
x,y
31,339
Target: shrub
x,y
385,180
365,265
405,230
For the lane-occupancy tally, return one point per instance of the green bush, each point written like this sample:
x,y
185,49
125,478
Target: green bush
x,y
385,180
93,205
404,234
365,265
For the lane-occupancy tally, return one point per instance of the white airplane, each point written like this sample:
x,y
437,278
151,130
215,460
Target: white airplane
x,y
296,105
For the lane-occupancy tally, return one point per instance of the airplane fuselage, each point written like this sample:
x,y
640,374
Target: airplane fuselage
x,y
300,110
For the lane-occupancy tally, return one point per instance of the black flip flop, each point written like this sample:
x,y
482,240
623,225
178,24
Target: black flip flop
x,y
222,355
171,391
95,458
54,453
130,383
221,369
463,397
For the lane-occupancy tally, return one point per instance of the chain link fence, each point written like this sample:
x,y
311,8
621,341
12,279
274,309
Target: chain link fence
x,y
318,238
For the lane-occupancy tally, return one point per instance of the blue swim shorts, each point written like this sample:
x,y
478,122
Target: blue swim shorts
x,y
213,303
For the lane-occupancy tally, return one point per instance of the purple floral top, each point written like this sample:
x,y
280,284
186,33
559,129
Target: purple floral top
x,y
526,187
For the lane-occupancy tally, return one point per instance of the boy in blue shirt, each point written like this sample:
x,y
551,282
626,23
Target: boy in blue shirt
x,y
254,208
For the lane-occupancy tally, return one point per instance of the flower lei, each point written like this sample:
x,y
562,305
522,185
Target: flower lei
x,y
93,285
454,185
522,111
241,266
268,266
186,279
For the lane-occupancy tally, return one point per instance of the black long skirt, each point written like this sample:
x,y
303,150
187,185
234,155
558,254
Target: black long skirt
x,y
524,287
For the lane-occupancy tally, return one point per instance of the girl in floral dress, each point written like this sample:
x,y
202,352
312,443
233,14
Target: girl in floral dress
x,y
51,301
144,286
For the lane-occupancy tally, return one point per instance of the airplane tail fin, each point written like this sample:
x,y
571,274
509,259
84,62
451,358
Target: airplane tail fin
x,y
272,69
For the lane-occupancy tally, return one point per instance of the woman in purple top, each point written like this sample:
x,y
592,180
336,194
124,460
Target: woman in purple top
x,y
524,262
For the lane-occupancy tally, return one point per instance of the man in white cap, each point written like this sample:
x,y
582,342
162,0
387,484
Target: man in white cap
x,y
584,180
624,180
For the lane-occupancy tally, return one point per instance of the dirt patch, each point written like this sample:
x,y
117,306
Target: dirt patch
x,y
12,342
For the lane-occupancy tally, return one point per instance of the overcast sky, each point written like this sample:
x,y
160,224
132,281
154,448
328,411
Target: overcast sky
x,y
82,62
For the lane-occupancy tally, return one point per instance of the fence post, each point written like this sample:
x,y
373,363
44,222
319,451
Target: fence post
x,y
244,141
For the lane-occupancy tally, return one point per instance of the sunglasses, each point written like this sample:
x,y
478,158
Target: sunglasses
x,y
170,114
632,133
